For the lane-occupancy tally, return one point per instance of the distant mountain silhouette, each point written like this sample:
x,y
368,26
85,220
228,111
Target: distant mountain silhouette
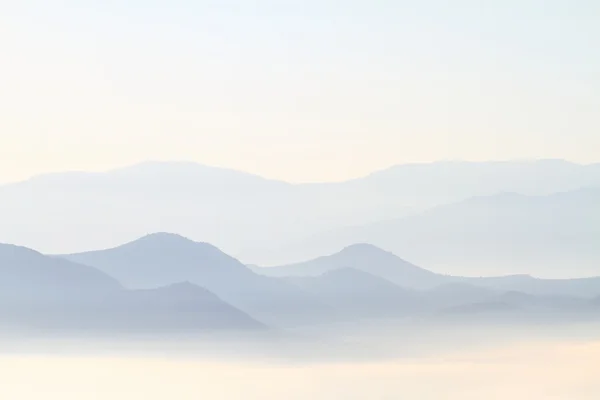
x,y
25,273
358,294
551,236
584,287
271,222
171,284
362,257
456,180
458,293
375,261
38,292
163,259
177,307
555,302
152,196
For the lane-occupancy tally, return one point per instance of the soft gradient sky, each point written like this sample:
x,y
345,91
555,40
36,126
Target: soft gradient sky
x,y
298,90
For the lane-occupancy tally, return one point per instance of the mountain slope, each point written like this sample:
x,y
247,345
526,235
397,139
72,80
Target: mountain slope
x,y
362,257
378,262
357,294
177,307
249,216
164,259
550,236
153,196
38,292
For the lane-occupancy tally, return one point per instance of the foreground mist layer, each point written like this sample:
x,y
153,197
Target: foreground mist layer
x,y
538,370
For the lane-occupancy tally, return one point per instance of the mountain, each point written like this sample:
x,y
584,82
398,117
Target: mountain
x,y
450,181
386,265
362,257
357,294
176,307
551,236
256,219
458,293
38,292
518,307
154,196
556,302
580,287
164,259
27,274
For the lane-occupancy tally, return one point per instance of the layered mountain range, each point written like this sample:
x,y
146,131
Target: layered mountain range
x,y
471,218
167,283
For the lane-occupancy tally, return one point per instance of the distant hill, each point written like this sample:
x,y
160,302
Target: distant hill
x,y
456,180
387,265
27,274
172,284
38,293
363,257
550,236
264,221
358,294
164,259
458,293
177,307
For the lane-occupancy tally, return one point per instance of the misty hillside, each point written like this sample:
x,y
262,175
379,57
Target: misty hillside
x,y
172,284
38,292
177,307
387,265
363,257
163,259
453,180
25,273
358,294
551,236
268,222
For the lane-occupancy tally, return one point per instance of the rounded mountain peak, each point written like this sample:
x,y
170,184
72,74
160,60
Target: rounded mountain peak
x,y
362,249
169,242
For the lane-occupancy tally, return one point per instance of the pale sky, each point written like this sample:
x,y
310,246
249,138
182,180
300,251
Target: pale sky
x,y
312,90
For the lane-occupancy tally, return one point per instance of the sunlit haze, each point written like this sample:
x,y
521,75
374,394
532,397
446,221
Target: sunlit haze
x,y
524,372
300,199
301,91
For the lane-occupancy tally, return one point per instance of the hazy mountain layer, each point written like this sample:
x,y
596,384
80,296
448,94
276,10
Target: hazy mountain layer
x,y
550,236
40,293
164,259
268,222
387,265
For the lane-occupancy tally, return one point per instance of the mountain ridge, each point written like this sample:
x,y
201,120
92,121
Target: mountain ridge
x,y
40,293
262,221
162,259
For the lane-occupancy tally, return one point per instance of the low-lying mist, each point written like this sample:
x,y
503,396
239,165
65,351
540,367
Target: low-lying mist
x,y
528,369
